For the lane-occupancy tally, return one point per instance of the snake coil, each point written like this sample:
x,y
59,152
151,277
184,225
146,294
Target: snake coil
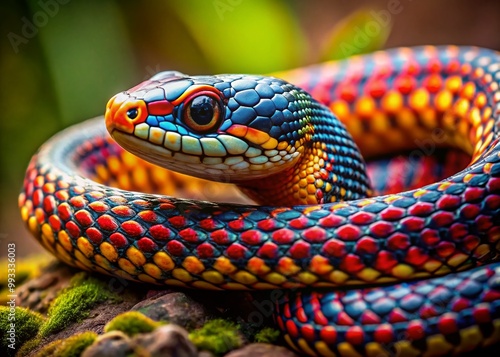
x,y
417,271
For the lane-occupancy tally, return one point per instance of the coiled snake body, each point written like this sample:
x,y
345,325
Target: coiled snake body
x,y
414,271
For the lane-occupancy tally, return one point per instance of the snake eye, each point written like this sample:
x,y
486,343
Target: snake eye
x,y
202,113
132,113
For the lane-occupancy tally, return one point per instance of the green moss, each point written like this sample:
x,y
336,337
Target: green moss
x,y
73,303
72,346
267,335
49,349
26,325
217,336
132,323
29,346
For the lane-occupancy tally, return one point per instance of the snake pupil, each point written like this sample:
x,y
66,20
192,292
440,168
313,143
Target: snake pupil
x,y
132,113
202,110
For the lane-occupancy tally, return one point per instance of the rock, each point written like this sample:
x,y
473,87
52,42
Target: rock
x,y
175,307
32,300
168,340
261,350
37,293
44,281
114,343
205,354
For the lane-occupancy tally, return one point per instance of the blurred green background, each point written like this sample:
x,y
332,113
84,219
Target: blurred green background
x,y
60,60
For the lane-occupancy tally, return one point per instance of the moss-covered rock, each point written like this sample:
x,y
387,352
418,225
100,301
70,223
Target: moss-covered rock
x,y
132,323
217,336
114,343
166,340
72,346
29,346
17,325
73,303
47,351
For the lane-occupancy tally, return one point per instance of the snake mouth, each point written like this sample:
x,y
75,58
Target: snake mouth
x,y
179,156
140,147
171,160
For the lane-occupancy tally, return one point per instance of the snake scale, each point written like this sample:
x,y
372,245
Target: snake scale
x,y
407,273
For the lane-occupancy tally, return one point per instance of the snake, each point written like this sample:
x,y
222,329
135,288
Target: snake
x,y
351,270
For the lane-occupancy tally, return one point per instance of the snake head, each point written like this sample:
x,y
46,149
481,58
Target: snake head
x,y
223,127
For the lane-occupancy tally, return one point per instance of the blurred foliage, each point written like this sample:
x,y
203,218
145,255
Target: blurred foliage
x,y
250,36
358,33
61,60
86,59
